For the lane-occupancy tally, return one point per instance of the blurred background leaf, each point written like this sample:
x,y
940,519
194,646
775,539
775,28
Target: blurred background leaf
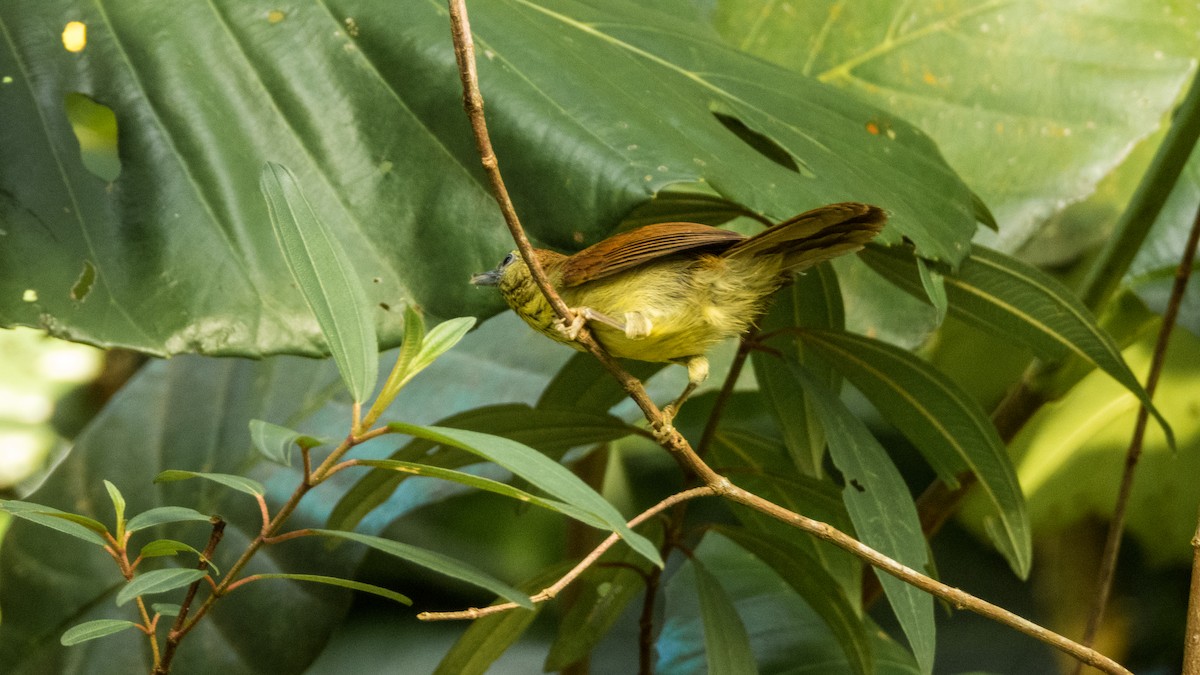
x,y
618,105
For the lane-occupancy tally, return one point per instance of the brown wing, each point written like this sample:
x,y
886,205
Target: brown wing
x,y
817,235
645,244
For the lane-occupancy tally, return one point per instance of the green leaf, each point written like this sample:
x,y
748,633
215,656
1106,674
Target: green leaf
x,y
934,285
883,512
158,581
163,515
481,483
1027,144
344,583
118,507
404,199
90,630
726,644
818,588
164,547
434,561
67,523
550,432
540,471
275,442
239,483
420,350
947,426
814,300
323,271
1008,297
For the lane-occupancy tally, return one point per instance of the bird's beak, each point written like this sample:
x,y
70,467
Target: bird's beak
x,y
489,278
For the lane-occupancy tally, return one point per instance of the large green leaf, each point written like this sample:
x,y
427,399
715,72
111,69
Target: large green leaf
x,y
595,108
986,80
947,426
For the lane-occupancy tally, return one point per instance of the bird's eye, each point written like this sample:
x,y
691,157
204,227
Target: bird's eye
x,y
508,259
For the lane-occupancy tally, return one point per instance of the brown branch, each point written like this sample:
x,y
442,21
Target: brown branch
x,y
1191,642
1116,527
554,589
175,634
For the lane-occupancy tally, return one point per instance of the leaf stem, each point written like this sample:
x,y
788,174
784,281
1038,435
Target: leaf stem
x,y
177,629
1191,640
1116,527
1143,209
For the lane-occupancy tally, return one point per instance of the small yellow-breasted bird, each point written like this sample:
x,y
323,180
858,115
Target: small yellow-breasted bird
x,y
670,291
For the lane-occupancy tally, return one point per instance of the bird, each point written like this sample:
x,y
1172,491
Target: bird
x,y
668,292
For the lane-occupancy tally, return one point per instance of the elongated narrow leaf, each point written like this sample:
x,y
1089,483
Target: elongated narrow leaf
x,y
239,483
944,423
551,432
420,349
90,630
540,471
818,588
118,501
165,514
1005,296
883,512
326,278
164,547
486,484
726,643
157,581
813,301
935,287
56,520
344,583
435,561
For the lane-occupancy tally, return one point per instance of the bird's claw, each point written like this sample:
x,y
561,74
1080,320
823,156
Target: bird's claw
x,y
571,329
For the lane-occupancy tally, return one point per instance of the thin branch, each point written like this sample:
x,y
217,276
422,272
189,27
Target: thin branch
x,y
1191,642
176,633
557,587
1116,527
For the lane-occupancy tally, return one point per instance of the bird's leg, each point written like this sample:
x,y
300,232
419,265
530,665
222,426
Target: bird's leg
x,y
697,373
635,326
